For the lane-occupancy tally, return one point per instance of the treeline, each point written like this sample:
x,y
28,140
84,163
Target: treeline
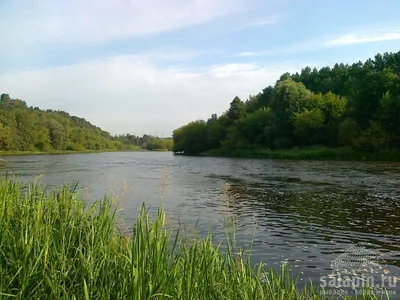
x,y
24,128
148,142
355,106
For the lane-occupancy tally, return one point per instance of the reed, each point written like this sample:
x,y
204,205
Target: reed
x,y
53,246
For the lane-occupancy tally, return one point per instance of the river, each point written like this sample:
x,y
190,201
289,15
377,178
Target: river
x,y
304,213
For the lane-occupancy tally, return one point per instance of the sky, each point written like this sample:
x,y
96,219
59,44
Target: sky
x,y
149,67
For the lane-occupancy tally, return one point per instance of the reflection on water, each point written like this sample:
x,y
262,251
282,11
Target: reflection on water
x,y
303,213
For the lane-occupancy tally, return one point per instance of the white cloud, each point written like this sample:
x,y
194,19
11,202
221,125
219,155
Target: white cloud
x,y
351,39
270,20
174,54
249,53
129,94
262,22
321,43
228,70
40,21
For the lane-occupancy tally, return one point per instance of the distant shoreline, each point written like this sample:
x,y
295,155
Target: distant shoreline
x,y
56,152
317,153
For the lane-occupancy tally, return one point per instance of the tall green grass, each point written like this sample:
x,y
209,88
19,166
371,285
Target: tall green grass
x,y
54,247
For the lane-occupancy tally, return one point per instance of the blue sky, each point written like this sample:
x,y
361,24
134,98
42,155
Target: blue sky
x,y
152,66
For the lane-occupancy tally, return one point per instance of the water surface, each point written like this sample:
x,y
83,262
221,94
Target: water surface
x,y
305,213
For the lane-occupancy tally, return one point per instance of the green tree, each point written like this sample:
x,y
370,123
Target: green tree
x,y
389,113
355,105
307,126
237,110
191,138
348,132
6,137
5,98
43,140
216,132
373,138
289,98
57,134
253,126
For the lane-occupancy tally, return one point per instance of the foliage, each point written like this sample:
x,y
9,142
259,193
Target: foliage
x,y
54,247
192,138
353,105
348,132
24,128
373,138
307,125
148,142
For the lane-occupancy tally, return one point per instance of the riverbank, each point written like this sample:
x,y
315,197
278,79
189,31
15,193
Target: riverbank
x,y
55,152
53,247
319,153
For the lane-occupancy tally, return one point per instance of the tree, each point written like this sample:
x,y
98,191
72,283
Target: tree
x,y
216,133
23,128
6,137
253,127
307,125
191,138
353,105
5,98
26,138
333,108
237,110
43,141
389,113
265,98
212,119
373,138
348,132
289,97
57,134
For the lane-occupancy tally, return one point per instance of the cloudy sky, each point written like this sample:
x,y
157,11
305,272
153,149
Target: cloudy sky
x,y
151,66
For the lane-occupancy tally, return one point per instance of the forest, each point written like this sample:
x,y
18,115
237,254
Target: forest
x,y
354,106
24,128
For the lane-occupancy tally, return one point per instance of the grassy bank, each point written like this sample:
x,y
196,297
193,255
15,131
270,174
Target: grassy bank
x,y
160,150
319,153
10,153
53,247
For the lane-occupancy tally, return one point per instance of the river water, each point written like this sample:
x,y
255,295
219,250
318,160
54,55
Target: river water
x,y
304,213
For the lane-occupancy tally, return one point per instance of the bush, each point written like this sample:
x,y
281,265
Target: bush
x,y
372,139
